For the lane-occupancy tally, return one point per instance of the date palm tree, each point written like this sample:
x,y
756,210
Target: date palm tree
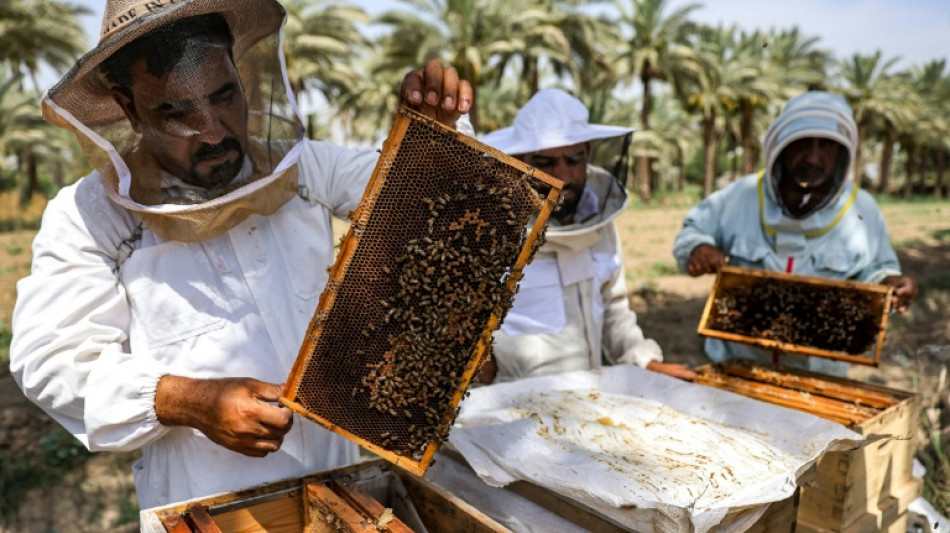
x,y
466,33
875,94
709,89
932,82
38,32
558,34
322,43
652,50
365,111
33,33
672,139
22,130
786,63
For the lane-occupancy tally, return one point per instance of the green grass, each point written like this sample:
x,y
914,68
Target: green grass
x,y
666,199
935,453
5,337
922,200
54,455
663,268
14,249
934,457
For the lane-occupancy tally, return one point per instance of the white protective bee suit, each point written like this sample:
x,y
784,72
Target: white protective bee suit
x,y
843,238
572,309
92,337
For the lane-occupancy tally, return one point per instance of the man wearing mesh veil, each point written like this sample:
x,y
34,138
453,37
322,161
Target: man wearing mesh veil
x,y
802,214
572,310
171,288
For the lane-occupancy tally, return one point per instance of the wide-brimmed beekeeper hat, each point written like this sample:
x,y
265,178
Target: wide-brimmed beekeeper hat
x,y
83,103
551,119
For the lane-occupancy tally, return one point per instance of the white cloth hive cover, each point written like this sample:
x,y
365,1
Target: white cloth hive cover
x,y
645,448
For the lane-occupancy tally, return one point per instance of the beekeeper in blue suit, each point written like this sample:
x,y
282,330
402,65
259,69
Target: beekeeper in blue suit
x,y
802,214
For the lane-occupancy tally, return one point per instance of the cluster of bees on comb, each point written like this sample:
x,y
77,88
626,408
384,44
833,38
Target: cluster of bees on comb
x,y
797,313
450,281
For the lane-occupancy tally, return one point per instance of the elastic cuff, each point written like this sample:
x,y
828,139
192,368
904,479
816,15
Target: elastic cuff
x,y
879,276
149,390
690,244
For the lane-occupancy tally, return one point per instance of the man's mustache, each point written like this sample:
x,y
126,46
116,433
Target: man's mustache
x,y
210,151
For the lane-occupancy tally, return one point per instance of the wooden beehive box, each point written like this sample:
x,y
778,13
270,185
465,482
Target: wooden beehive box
x,y
854,491
795,308
358,498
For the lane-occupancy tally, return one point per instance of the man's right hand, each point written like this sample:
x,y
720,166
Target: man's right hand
x,y
706,259
233,412
437,92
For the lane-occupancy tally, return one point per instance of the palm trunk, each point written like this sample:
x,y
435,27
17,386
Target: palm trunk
x,y
858,163
312,126
32,174
745,128
938,187
735,161
887,160
531,65
21,186
923,162
644,173
909,169
709,153
681,164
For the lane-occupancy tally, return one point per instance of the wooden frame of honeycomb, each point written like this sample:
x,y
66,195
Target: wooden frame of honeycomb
x,y
729,278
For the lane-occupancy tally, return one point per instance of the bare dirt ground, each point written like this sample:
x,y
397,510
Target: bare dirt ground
x,y
99,495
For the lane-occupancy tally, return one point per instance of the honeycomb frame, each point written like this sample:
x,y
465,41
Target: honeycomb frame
x,y
469,192
732,276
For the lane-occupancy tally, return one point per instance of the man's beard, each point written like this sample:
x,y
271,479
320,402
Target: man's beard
x,y
223,173
568,206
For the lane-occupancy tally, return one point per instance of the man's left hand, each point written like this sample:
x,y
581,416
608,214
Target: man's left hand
x,y
905,290
672,370
437,92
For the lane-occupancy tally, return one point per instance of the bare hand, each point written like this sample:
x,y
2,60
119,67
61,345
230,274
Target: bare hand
x,y
437,92
672,370
488,372
706,259
231,411
905,290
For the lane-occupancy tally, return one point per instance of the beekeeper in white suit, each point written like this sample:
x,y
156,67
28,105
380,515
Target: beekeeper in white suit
x,y
572,310
172,287
802,214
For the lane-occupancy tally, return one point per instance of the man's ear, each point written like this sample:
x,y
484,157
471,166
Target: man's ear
x,y
587,149
128,107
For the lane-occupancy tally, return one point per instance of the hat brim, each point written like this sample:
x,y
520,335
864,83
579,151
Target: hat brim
x,y
506,139
249,22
